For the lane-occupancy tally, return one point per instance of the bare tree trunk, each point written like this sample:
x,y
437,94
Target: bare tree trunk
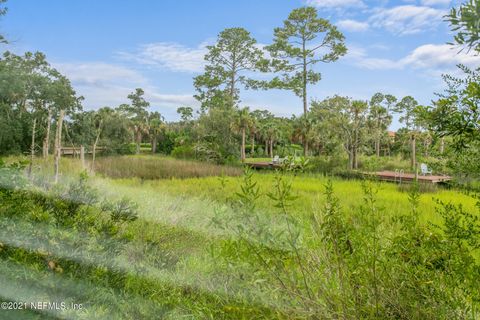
x,y
355,150
442,145
32,148
154,144
426,147
350,159
138,141
58,144
94,150
377,147
271,148
82,156
304,96
46,141
252,149
413,160
232,87
266,148
354,157
242,152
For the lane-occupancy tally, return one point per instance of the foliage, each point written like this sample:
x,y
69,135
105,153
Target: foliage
x,y
296,49
228,59
183,152
346,269
464,23
3,11
456,113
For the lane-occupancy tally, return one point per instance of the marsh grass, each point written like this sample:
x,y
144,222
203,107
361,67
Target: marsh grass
x,y
157,167
170,267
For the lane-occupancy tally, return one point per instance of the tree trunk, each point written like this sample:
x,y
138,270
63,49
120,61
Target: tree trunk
x,y
94,150
413,160
354,157
154,144
442,145
426,147
82,156
58,144
271,148
32,148
267,153
46,141
252,149
138,140
350,159
377,147
304,84
304,96
232,87
242,152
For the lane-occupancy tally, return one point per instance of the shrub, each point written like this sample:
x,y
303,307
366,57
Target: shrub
x,y
328,164
166,142
352,269
183,152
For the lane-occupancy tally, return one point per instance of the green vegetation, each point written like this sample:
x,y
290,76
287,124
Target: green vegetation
x,y
184,255
155,167
135,217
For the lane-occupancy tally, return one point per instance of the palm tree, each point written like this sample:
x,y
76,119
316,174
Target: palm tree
x,y
253,132
155,126
379,117
303,130
242,122
272,134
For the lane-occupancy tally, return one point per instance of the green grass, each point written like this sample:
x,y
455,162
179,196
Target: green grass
x,y
173,238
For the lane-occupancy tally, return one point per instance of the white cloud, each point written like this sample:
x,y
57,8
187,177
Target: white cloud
x,y
104,84
171,56
333,4
359,57
407,19
97,73
439,56
435,58
436,2
353,25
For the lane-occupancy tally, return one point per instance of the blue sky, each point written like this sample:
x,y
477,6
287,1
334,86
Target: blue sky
x,y
108,48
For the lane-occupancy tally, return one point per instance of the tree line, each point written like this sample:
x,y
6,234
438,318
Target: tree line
x,y
34,95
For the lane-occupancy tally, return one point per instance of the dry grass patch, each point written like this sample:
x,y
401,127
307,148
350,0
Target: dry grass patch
x,y
155,167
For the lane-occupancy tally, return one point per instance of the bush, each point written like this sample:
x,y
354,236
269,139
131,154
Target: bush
x,y
350,269
166,143
327,164
183,152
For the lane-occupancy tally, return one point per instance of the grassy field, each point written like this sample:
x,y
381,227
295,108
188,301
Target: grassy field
x,y
171,263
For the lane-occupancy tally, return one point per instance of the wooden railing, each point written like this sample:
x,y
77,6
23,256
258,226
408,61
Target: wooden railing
x,y
73,151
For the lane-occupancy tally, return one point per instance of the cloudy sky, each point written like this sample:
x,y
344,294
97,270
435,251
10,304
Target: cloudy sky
x,y
109,47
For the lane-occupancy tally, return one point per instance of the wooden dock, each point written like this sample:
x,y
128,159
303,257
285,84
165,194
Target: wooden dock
x,y
71,151
263,165
398,177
